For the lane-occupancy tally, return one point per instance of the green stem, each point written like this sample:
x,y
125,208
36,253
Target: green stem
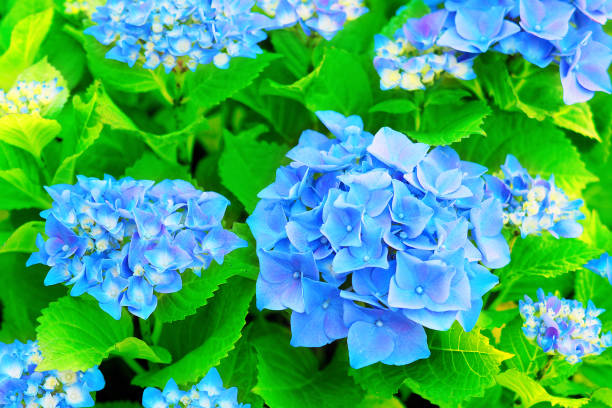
x,y
130,362
163,89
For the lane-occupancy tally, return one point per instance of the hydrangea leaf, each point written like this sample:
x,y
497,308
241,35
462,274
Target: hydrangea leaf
x,y
461,365
595,233
372,401
197,291
117,74
546,256
133,347
445,124
28,132
23,239
65,53
246,158
20,10
492,73
22,297
539,146
289,377
75,334
291,45
338,83
151,167
26,38
577,118
532,393
540,94
209,85
528,357
202,340
18,191
395,106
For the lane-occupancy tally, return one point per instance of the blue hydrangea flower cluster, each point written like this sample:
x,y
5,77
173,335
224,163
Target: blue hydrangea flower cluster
x,y
326,17
207,393
565,32
124,240
564,326
412,60
601,266
29,97
81,7
372,237
534,204
22,386
179,32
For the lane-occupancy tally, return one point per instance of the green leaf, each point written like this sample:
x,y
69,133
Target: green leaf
x,y
209,85
492,72
546,256
246,158
28,132
17,191
20,10
118,74
396,106
26,38
133,347
289,377
539,93
577,118
461,365
413,9
291,45
43,71
338,83
532,393
528,356
202,340
372,401
539,146
595,233
445,124
151,167
75,334
23,296
23,239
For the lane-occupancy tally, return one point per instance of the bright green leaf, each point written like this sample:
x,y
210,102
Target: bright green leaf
x,y
133,347
202,340
17,191
75,334
291,45
396,106
28,132
247,165
532,393
23,239
577,118
528,356
150,167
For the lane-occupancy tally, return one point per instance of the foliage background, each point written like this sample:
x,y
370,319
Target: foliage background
x,y
228,131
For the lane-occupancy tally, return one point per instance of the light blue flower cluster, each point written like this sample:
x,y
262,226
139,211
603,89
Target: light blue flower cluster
x,y
326,17
566,32
29,97
22,386
81,7
564,326
123,240
179,32
207,393
534,204
601,266
412,60
372,238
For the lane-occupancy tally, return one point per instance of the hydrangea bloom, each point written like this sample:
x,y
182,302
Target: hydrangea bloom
x,y
534,204
412,60
566,32
326,17
123,240
207,393
81,7
22,386
29,97
179,32
601,266
372,238
564,326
